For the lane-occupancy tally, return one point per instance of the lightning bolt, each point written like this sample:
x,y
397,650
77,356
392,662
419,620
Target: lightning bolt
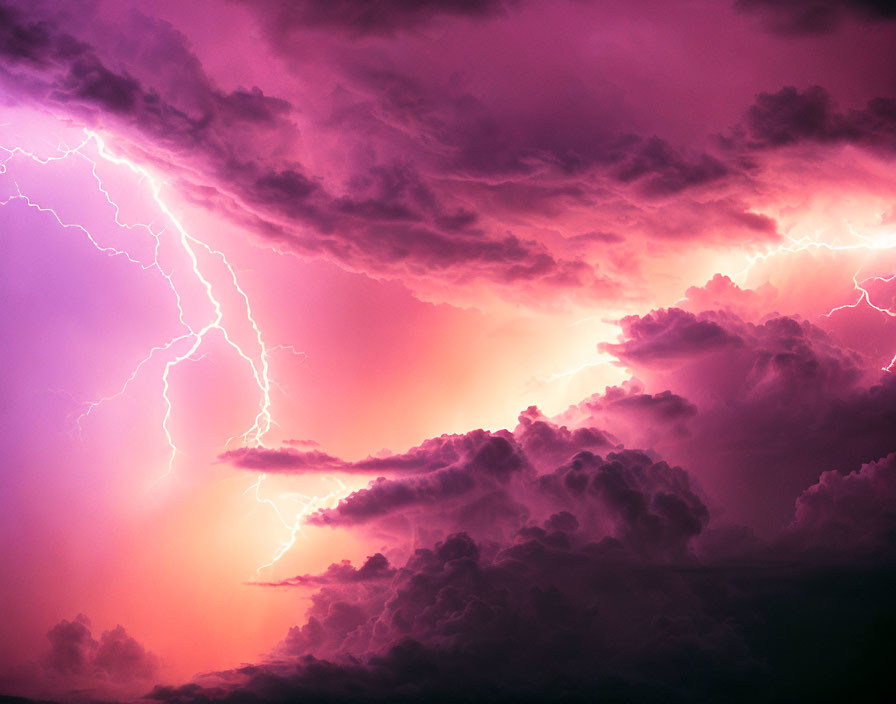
x,y
606,359
185,346
865,296
866,243
307,505
193,337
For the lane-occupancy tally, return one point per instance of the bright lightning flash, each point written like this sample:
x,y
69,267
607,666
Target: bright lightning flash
x,y
307,505
862,243
186,345
865,296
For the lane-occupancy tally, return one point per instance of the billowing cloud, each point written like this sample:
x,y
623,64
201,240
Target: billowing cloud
x,y
76,665
437,178
117,656
478,482
614,580
775,404
665,336
756,412
721,293
851,513
553,615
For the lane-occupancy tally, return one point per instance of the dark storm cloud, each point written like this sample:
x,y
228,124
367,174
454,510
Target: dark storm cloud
x,y
648,506
621,407
538,439
287,459
554,616
75,666
74,653
488,481
467,136
800,17
34,42
664,405
548,444
437,181
90,82
790,117
854,513
755,412
71,646
604,597
651,505
375,568
663,171
552,564
359,17
389,222
431,455
778,403
781,344
483,472
668,335
387,218
73,73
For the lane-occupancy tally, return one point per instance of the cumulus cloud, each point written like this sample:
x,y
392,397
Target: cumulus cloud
x,y
537,437
553,563
117,656
552,615
721,293
776,404
851,513
491,485
778,350
477,488
431,455
755,411
610,583
77,666
649,506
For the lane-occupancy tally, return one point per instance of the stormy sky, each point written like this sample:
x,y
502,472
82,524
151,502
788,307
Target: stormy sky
x,y
459,350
